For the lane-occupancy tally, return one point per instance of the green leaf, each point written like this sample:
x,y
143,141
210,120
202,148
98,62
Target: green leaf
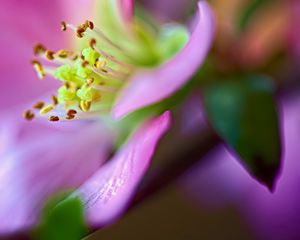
x,y
62,221
249,12
244,114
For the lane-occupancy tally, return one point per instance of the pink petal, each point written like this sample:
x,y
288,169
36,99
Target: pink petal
x,y
40,160
26,23
127,8
152,86
108,192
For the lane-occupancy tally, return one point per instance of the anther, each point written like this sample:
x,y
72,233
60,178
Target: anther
x,y
39,105
46,109
53,118
74,56
28,115
49,55
89,24
62,53
81,30
85,105
71,114
39,69
54,100
63,26
89,82
84,64
39,49
92,43
71,117
100,64
67,84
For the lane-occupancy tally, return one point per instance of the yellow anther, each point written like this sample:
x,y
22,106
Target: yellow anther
x,y
39,69
62,53
46,109
85,105
89,82
89,24
100,64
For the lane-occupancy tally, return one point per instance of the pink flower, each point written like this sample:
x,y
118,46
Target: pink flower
x,y
38,159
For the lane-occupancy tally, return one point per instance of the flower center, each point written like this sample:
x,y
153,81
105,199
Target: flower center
x,y
90,79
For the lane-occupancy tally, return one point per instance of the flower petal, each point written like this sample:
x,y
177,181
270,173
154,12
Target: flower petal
x,y
26,23
42,160
152,86
127,8
108,192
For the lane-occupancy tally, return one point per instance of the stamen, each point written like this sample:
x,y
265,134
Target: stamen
x,y
81,30
39,49
71,117
106,73
89,82
54,100
39,69
46,109
71,114
53,118
39,105
62,53
28,115
49,55
63,26
85,105
106,55
89,24
85,76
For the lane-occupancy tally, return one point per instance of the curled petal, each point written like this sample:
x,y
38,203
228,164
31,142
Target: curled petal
x,y
106,193
152,86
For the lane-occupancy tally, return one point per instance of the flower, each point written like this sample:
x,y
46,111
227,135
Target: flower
x,y
115,69
115,59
